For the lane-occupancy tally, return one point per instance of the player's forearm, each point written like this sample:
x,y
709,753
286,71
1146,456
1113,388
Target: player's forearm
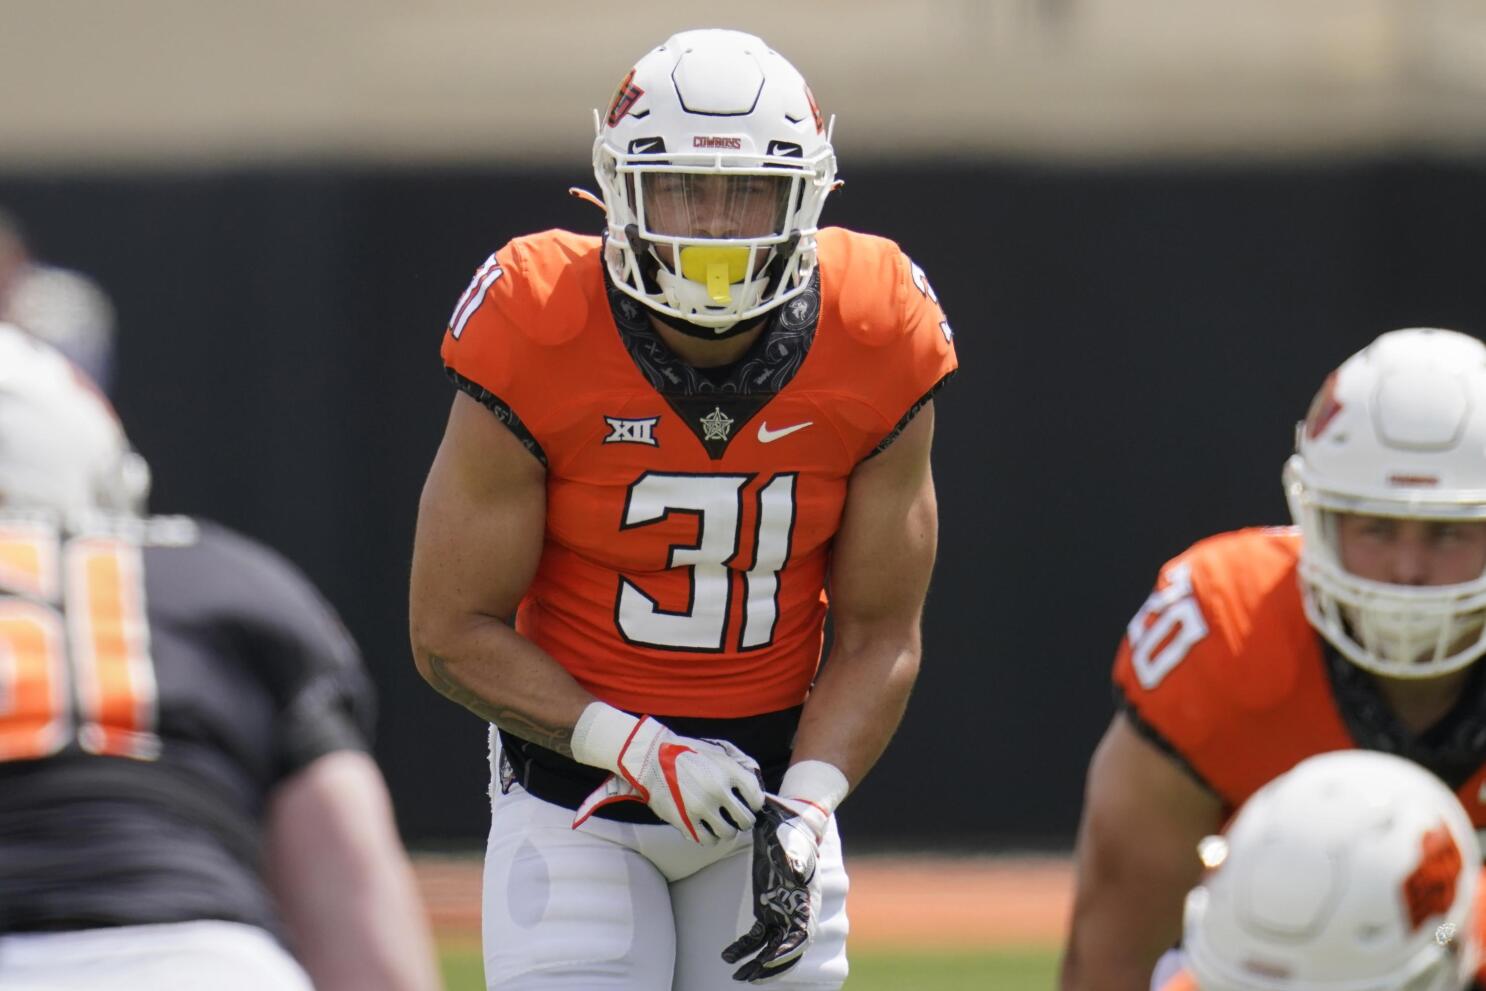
x,y
1106,953
366,949
858,701
342,882
505,679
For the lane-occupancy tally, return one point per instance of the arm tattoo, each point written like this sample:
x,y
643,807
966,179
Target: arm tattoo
x,y
558,738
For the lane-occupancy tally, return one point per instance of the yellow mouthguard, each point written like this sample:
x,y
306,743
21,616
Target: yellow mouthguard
x,y
717,268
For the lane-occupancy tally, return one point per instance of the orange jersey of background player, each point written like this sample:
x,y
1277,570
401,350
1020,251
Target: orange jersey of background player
x,y
689,527
1221,669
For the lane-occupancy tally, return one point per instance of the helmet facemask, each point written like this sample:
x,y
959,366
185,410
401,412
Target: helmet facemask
x,y
1397,631
713,204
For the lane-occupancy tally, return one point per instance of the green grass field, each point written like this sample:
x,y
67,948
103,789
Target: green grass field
x,y
1004,970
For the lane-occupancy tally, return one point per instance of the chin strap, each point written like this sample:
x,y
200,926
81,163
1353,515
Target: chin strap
x,y
780,262
648,264
644,257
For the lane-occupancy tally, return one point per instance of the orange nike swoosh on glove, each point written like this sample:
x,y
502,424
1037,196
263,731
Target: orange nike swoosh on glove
x,y
668,754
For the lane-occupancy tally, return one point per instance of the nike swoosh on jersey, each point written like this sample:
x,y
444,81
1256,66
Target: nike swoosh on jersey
x,y
668,754
767,436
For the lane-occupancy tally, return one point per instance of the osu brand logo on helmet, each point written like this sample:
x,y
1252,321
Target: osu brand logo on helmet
x,y
1430,890
820,123
624,98
1324,409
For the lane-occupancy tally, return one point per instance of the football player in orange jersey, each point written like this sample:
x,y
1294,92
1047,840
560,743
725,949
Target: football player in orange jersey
x,y
1358,628
1355,870
668,443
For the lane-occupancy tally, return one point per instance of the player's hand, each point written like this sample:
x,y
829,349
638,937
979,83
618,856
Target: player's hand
x,y
786,892
708,789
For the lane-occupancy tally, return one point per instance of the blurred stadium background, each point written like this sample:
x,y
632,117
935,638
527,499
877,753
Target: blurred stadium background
x,y
1155,224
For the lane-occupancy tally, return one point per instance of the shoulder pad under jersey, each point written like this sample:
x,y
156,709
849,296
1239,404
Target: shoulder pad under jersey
x,y
865,278
537,286
551,280
531,295
1222,634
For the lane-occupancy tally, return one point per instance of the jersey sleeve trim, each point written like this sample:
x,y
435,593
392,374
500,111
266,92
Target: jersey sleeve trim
x,y
1154,737
502,410
907,417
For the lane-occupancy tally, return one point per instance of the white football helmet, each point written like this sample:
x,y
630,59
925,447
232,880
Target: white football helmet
x,y
713,253
62,450
1398,430
1356,871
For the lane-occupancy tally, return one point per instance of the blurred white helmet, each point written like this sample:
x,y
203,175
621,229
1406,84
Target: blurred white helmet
x,y
712,254
1398,430
1356,871
62,450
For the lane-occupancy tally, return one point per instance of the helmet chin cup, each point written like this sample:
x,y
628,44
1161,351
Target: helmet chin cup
x,y
716,268
711,287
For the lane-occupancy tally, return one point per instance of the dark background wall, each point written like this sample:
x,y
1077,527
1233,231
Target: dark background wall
x,y
1136,344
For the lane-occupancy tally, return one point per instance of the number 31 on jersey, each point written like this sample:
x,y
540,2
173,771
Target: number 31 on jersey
x,y
717,501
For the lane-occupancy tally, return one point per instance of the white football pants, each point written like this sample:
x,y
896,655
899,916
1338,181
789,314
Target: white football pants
x,y
179,956
612,905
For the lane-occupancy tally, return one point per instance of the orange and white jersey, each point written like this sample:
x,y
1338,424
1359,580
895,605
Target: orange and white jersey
x,y
690,518
1221,669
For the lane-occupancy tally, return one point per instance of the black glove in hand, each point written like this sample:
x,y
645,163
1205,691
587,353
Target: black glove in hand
x,y
786,897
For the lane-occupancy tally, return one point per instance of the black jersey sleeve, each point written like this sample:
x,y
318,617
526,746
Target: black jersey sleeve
x,y
297,644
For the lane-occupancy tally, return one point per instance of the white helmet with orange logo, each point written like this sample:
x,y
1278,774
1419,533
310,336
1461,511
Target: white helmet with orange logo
x,y
1399,430
1355,871
62,450
713,254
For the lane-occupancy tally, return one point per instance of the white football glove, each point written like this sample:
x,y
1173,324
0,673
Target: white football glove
x,y
786,881
708,789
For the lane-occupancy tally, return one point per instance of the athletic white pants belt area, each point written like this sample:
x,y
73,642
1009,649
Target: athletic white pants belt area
x,y
613,905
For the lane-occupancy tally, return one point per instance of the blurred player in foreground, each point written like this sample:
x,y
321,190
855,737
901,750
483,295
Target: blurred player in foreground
x,y
666,443
185,794
1359,628
1355,870
66,309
